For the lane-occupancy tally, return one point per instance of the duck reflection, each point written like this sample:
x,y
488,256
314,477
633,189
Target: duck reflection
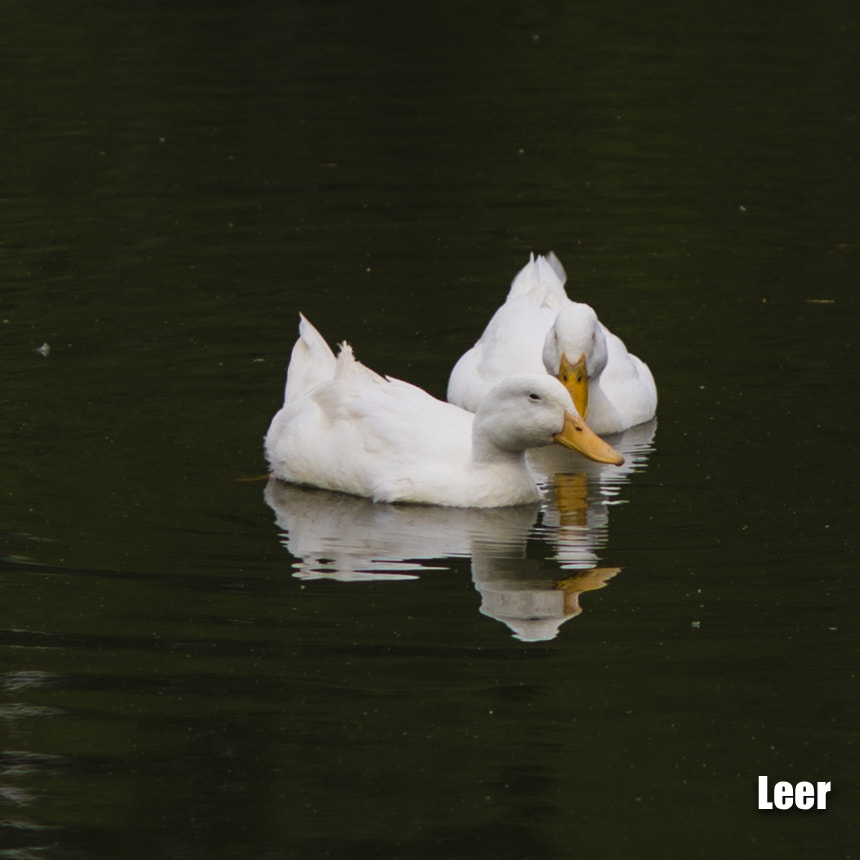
x,y
576,517
530,597
337,536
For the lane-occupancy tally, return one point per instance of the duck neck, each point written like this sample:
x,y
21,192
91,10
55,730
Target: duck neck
x,y
486,452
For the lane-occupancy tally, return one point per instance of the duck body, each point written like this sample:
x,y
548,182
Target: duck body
x,y
540,328
344,427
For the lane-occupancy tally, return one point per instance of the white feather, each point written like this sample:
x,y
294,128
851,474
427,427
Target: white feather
x,y
529,333
344,427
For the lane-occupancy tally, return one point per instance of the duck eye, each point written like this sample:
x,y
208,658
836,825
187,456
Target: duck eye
x,y
533,396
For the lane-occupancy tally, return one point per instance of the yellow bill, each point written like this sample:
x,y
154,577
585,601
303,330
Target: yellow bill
x,y
578,436
575,380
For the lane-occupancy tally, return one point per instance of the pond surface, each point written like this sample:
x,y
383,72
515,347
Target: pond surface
x,y
198,663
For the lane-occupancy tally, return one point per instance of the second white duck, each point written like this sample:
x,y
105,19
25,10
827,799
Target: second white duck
x,y
344,427
540,328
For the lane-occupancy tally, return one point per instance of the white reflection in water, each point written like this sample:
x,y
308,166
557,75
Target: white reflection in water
x,y
20,680
14,795
336,536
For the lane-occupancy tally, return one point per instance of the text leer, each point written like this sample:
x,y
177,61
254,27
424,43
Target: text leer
x,y
804,795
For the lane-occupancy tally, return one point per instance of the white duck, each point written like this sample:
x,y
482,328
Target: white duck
x,y
539,327
344,427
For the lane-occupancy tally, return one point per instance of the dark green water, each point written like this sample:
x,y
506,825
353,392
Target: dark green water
x,y
180,677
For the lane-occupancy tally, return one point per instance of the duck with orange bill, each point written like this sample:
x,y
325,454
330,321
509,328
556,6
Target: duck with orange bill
x,y
344,427
539,328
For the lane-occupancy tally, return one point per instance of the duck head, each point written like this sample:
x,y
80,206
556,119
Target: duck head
x,y
532,410
575,351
